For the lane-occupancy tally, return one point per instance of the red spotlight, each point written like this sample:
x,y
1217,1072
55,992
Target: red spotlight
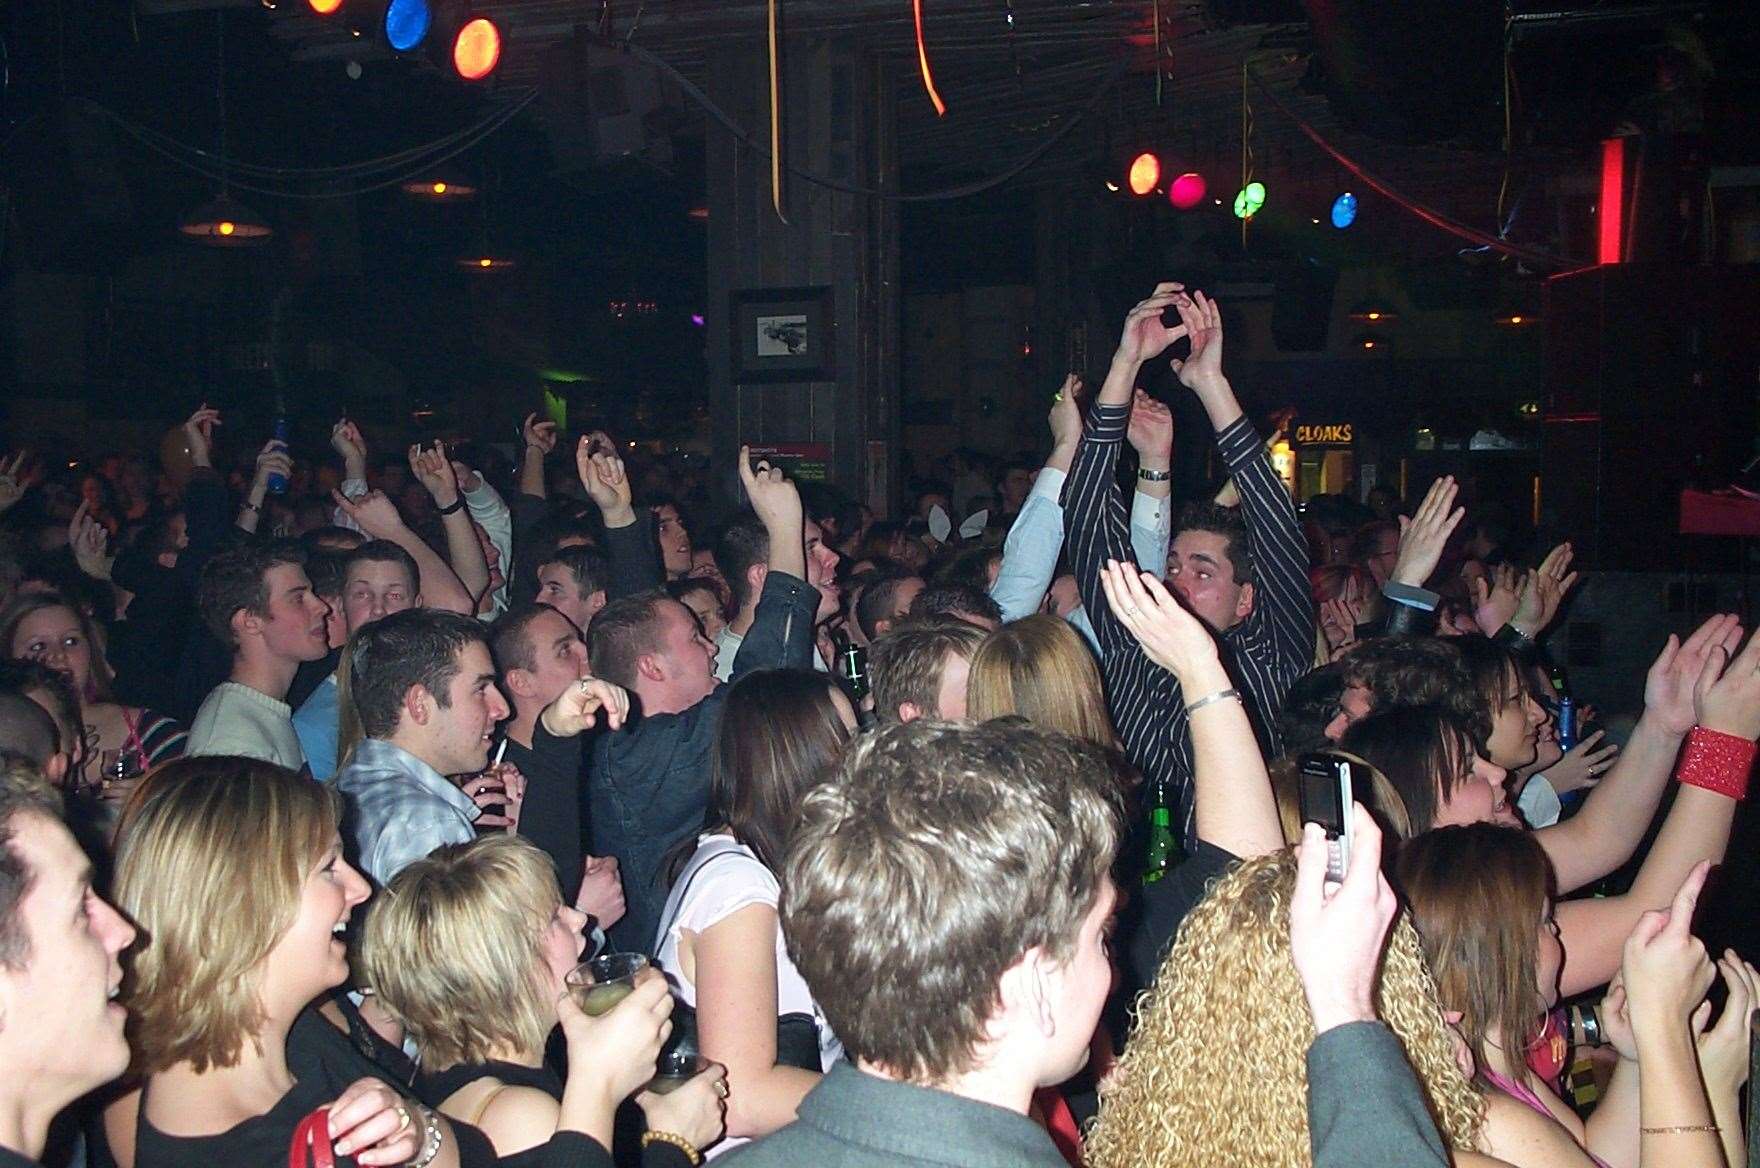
x,y
1611,209
1145,173
1187,191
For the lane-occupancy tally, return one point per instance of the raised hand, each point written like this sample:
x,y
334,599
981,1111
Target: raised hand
x,y
1726,697
1543,591
1066,414
436,472
198,431
1145,337
1723,1049
1423,536
90,543
1616,1020
12,480
375,1125
1670,685
602,474
1495,598
1151,432
578,707
346,441
601,892
776,500
1202,321
1665,967
1336,933
539,436
273,459
467,476
372,512
1582,765
1171,636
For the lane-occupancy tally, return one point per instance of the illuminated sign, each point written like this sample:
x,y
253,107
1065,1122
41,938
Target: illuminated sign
x,y
1336,434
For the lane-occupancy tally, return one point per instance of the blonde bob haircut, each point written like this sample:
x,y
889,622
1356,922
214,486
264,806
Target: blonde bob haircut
x,y
1215,1073
212,859
1040,668
453,946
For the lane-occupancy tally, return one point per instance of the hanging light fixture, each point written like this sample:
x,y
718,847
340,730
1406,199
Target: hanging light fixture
x,y
444,187
224,221
1373,312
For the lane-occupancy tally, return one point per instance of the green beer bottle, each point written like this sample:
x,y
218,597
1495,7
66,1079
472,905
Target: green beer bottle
x,y
1161,849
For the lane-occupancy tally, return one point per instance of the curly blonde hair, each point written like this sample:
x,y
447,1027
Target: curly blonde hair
x,y
1215,1074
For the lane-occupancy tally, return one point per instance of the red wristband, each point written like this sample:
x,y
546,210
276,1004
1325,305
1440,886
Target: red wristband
x,y
1717,762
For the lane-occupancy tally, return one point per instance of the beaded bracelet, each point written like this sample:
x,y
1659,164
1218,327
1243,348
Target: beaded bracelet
x,y
1680,1128
679,1142
1717,762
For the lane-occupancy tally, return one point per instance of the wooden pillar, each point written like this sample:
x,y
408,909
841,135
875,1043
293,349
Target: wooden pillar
x,y
839,122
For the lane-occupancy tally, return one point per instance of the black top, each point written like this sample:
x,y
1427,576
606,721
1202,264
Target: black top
x,y
11,1159
564,1149
551,814
324,1062
1161,908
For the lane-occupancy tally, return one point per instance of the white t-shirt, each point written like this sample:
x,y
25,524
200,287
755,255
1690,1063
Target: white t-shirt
x,y
736,879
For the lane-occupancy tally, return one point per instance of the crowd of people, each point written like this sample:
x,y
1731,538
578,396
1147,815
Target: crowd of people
x,y
440,809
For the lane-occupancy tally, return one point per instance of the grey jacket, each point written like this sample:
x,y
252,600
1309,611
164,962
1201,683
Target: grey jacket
x,y
1364,1111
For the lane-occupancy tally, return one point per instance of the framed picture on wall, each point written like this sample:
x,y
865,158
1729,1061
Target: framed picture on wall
x,y
783,334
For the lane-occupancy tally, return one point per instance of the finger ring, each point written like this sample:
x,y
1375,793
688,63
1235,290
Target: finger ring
x,y
1130,610
721,1087
402,1119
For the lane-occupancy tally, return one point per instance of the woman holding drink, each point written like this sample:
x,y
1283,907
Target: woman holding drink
x,y
474,951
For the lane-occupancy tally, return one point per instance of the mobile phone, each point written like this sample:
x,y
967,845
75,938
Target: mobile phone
x,y
1326,783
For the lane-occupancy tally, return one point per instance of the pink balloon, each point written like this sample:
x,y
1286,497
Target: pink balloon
x,y
1187,191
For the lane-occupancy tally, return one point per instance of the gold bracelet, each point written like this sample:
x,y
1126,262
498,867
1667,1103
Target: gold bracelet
x,y
1680,1129
679,1142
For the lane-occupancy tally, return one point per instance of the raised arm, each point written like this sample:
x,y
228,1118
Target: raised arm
x,y
540,440
629,542
434,470
1029,554
782,631
1714,774
491,513
1617,813
376,516
1283,607
1233,804
1365,1107
1093,513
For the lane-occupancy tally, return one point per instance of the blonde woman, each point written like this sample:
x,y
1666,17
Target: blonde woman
x,y
232,870
468,949
1039,669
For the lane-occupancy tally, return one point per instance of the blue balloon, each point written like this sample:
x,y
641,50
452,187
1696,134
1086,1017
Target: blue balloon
x,y
406,23
1344,210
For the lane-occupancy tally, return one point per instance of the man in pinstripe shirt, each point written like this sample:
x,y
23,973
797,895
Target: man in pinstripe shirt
x,y
1245,575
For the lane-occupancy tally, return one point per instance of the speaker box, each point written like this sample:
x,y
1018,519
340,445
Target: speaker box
x,y
1650,387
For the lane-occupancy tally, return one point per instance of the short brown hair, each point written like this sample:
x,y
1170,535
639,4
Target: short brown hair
x,y
239,579
454,945
906,664
211,859
23,791
1477,894
936,856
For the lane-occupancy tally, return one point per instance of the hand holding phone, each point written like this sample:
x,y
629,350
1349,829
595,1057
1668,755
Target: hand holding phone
x,y
1327,785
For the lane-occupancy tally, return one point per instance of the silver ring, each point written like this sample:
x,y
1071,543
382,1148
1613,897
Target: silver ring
x,y
402,1119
